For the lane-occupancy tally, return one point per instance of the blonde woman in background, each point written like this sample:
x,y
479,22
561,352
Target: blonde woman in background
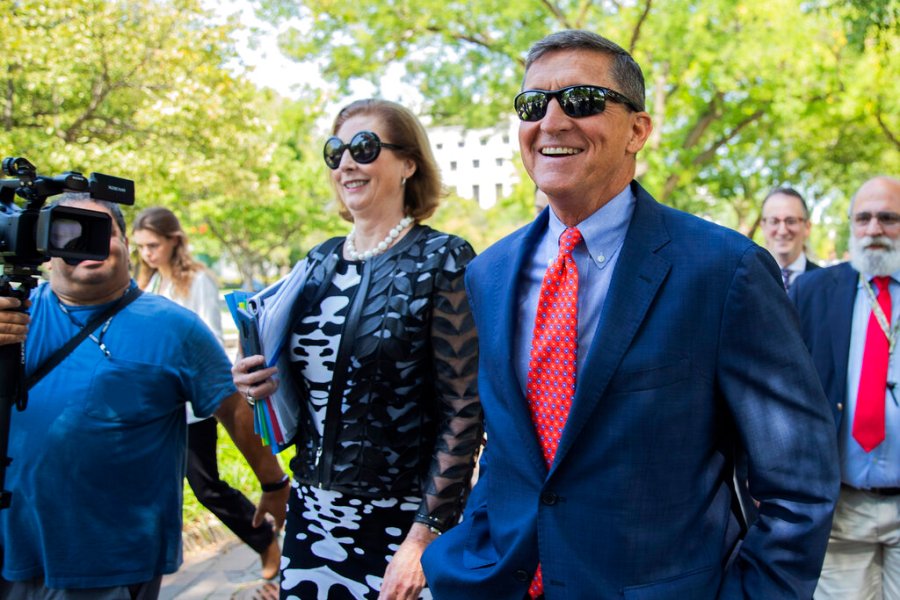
x,y
167,268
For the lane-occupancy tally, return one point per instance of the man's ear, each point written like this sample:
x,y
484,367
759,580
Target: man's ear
x,y
641,127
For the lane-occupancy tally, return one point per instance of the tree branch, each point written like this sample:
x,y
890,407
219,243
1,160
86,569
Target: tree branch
x,y
9,104
556,12
887,131
460,37
707,154
99,92
658,105
706,119
636,33
586,5
241,259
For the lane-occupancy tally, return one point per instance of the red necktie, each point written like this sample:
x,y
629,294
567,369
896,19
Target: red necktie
x,y
554,346
868,421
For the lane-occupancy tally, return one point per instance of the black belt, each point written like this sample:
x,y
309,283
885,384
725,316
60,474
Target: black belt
x,y
880,491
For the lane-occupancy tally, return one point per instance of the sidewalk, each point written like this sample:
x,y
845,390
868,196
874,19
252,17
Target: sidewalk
x,y
227,571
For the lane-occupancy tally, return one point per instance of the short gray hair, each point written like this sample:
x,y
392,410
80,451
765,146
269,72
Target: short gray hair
x,y
787,191
77,198
625,72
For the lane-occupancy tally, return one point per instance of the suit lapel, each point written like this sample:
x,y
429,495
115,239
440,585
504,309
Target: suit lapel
x,y
636,281
840,316
503,310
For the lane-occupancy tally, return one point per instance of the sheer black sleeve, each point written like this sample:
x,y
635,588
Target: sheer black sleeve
x,y
460,430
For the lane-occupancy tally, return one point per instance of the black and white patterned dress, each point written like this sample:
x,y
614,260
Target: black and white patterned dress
x,y
338,541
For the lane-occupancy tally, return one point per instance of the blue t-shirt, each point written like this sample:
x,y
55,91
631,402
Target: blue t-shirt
x,y
98,456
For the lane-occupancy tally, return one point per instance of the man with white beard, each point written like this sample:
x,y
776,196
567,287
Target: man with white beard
x,y
850,320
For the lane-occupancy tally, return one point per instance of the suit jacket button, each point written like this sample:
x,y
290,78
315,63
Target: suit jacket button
x,y
840,406
522,575
549,498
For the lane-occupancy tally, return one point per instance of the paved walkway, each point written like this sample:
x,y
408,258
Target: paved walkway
x,y
230,570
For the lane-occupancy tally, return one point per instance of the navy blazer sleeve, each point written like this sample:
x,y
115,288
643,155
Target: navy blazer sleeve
x,y
781,415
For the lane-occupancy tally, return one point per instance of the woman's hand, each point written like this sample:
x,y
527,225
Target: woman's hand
x,y
404,578
255,384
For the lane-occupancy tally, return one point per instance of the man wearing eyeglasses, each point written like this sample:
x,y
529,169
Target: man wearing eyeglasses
x,y
786,226
849,316
618,382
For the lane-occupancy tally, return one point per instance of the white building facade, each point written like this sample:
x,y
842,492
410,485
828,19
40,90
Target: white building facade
x,y
477,163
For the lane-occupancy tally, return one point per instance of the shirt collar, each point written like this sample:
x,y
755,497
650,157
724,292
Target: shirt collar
x,y
603,231
799,265
895,277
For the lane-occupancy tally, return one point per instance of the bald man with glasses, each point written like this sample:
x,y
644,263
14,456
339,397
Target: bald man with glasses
x,y
849,316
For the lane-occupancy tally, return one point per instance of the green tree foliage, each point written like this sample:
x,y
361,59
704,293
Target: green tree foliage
x,y
142,89
744,94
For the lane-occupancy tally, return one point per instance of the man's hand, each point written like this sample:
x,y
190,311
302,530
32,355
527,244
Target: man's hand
x,y
235,415
13,324
273,503
404,578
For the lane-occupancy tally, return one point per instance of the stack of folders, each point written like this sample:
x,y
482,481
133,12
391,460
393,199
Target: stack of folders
x,y
263,327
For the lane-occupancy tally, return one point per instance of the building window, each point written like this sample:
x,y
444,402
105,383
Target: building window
x,y
499,162
484,141
461,143
439,146
476,163
505,138
452,165
475,192
499,191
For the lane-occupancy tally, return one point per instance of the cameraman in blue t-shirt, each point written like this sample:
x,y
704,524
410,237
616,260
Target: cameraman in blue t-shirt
x,y
99,453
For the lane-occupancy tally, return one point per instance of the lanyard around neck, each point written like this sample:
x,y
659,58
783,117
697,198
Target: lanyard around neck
x,y
97,340
883,320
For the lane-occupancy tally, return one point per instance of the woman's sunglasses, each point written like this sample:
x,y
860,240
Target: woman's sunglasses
x,y
577,101
364,148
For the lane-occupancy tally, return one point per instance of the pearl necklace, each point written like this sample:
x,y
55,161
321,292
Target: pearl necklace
x,y
381,247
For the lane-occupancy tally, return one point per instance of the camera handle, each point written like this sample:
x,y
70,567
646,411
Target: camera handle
x,y
13,391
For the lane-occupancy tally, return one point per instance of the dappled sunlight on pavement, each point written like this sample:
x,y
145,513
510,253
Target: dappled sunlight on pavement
x,y
229,570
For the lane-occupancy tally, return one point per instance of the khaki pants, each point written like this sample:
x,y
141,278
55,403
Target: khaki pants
x,y
863,557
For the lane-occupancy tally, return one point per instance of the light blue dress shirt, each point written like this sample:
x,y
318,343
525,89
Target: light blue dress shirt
x,y
603,234
881,466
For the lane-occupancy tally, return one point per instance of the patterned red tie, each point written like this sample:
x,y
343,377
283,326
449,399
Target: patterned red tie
x,y
868,421
554,346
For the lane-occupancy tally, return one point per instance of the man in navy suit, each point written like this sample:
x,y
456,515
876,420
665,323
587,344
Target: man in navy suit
x,y
848,317
686,351
786,227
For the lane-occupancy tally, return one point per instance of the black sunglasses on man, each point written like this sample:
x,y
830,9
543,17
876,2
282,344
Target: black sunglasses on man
x,y
577,101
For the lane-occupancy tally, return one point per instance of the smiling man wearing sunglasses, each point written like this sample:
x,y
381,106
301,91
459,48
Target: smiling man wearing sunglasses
x,y
619,382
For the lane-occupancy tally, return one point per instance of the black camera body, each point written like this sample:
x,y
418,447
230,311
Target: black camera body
x,y
32,235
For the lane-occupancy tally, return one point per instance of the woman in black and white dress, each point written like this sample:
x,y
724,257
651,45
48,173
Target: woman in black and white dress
x,y
384,362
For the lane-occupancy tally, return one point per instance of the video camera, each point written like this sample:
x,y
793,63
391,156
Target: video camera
x,y
32,235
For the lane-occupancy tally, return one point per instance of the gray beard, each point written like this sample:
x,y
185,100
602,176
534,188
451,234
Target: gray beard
x,y
875,262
